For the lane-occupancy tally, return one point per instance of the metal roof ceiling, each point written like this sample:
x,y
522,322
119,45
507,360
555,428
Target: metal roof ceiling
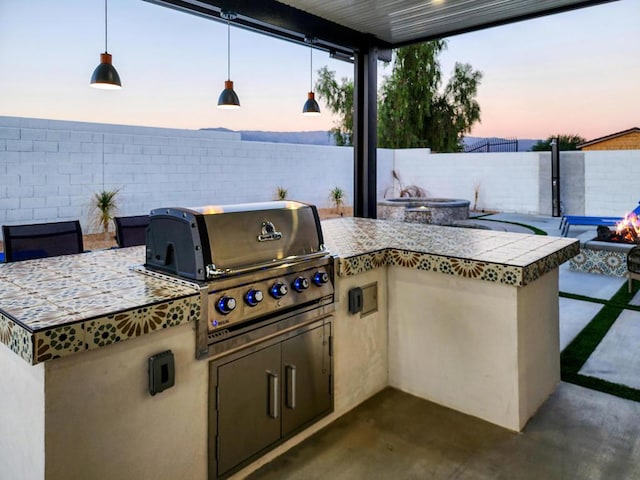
x,y
351,25
400,22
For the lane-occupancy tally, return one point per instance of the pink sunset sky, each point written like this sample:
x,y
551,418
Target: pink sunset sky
x,y
576,72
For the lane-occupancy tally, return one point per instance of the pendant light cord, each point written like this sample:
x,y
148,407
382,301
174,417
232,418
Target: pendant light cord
x,y
105,26
311,69
228,49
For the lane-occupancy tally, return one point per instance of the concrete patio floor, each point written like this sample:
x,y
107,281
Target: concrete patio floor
x,y
577,434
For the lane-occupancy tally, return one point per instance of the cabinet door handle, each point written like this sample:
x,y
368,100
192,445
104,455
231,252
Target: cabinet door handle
x,y
291,386
273,394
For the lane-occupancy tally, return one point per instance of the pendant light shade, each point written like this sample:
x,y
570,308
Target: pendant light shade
x,y
228,99
105,75
311,107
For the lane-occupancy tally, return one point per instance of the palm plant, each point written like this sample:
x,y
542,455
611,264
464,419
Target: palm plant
x,y
281,193
104,206
337,196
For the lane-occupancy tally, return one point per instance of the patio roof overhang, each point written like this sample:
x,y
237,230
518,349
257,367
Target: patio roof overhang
x,y
365,31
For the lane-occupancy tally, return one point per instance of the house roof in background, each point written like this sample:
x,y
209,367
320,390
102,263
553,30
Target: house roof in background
x,y
609,137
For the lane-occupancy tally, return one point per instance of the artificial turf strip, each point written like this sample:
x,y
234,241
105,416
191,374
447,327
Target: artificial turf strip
x,y
574,356
575,296
535,230
600,385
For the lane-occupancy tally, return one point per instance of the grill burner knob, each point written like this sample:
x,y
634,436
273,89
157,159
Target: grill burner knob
x,y
320,278
226,304
253,297
279,290
300,284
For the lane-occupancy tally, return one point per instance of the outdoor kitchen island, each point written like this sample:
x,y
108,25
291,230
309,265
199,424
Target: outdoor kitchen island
x,y
466,318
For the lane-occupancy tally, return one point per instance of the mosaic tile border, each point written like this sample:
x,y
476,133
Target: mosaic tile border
x,y
602,262
507,258
487,271
99,332
16,338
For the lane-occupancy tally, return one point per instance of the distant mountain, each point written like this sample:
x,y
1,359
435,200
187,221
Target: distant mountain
x,y
321,137
313,137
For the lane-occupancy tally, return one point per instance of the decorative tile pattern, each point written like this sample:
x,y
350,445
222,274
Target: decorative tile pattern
x,y
502,257
16,338
58,342
603,262
58,306
140,321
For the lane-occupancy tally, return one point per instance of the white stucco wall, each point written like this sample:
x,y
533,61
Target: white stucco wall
x,y
505,182
22,413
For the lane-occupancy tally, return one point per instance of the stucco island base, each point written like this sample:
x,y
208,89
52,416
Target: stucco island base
x,y
488,350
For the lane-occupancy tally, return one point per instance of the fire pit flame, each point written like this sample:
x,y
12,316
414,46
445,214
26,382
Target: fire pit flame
x,y
629,227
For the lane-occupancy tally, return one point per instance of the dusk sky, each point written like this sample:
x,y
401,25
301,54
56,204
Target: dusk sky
x,y
576,72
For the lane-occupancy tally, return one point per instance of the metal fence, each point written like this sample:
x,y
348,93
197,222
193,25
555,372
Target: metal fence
x,y
493,145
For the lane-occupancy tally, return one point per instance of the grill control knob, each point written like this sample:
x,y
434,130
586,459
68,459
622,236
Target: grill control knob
x,y
320,278
253,297
279,290
300,283
226,304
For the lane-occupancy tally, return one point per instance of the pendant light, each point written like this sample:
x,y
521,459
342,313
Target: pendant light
x,y
311,107
105,75
228,98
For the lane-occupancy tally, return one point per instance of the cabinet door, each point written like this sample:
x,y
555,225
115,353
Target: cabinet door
x,y
306,372
249,406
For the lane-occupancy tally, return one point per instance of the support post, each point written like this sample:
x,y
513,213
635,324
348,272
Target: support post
x,y
365,136
556,209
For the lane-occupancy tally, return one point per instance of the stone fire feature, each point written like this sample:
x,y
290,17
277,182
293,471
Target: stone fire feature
x,y
435,211
602,258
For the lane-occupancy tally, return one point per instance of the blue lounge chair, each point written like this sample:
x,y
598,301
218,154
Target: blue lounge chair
x,y
568,220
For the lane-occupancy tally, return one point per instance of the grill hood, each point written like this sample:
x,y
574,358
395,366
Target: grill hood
x,y
212,241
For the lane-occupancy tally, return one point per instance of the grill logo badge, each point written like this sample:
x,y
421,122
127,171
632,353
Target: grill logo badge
x,y
269,233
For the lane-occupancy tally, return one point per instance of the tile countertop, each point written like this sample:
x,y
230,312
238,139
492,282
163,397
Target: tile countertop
x,y
59,306
509,258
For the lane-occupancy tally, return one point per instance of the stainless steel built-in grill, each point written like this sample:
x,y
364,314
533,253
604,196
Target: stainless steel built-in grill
x,y
254,263
267,296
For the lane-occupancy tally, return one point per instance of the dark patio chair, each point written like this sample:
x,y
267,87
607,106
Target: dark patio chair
x,y
131,231
40,240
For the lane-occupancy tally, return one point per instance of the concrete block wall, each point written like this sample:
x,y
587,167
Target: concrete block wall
x,y
50,170
612,182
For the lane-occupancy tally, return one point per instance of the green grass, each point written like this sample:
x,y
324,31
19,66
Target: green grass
x,y
535,230
574,356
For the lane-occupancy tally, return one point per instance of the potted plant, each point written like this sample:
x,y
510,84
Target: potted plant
x,y
104,206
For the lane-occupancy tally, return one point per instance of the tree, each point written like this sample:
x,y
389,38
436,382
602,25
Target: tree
x,y
339,99
413,112
565,142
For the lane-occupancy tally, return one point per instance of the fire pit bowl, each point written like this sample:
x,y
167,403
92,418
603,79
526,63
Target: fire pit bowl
x,y
437,211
